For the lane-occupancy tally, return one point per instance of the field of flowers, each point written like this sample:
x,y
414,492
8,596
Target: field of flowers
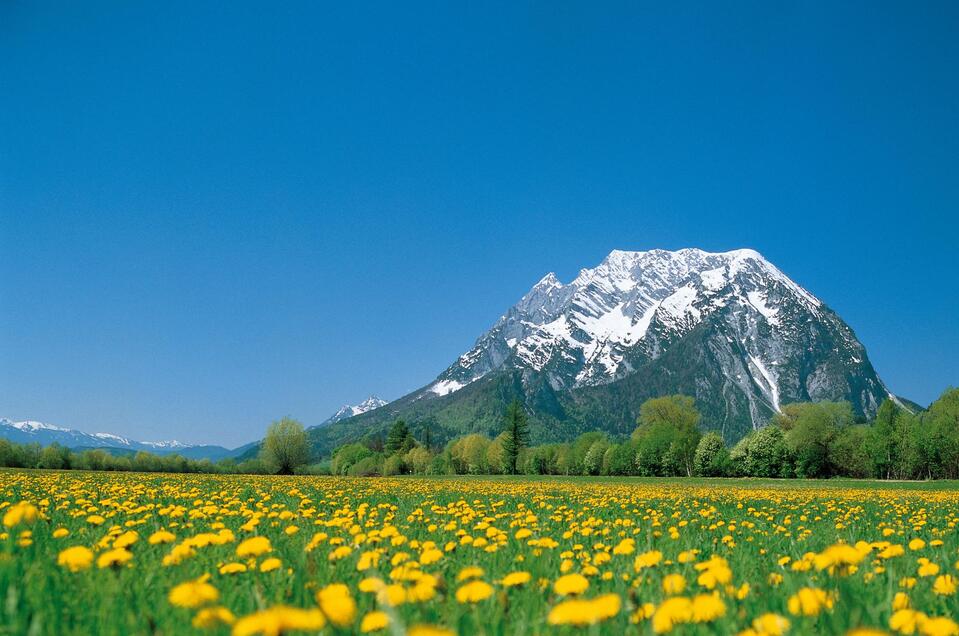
x,y
98,553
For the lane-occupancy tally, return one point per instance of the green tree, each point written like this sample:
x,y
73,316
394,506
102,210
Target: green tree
x,y
812,428
762,453
942,421
883,447
399,439
849,452
678,413
53,457
712,457
345,457
593,461
286,446
516,433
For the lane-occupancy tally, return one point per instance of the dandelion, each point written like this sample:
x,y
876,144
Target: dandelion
x,y
770,624
279,619
944,585
114,558
515,578
20,513
337,604
213,617
193,594
585,612
160,537
671,612
76,558
674,584
647,560
474,592
809,601
707,607
426,630
374,622
571,584
253,547
471,572
906,621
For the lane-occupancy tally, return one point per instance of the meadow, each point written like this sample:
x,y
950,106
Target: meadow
x,y
132,553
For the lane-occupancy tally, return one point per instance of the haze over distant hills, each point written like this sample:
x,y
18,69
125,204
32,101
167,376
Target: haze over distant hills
x,y
29,431
728,328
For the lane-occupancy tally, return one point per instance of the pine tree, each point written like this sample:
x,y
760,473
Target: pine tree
x,y
398,439
516,436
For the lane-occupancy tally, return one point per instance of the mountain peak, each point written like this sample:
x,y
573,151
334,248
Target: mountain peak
x,y
349,410
777,341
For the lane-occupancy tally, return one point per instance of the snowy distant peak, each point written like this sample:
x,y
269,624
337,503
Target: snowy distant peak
x,y
30,425
350,410
45,434
369,404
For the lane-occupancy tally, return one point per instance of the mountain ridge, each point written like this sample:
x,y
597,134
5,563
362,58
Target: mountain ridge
x,y
32,431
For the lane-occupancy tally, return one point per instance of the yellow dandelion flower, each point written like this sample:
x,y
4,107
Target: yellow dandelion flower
x,y
76,558
232,568
945,585
571,584
160,537
809,601
474,592
193,594
337,604
114,558
374,622
213,617
279,619
470,572
516,578
253,547
22,512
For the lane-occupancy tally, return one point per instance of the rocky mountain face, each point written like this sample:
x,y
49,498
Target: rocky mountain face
x,y
728,328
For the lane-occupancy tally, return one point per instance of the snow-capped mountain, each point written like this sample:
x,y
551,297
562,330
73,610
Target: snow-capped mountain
x,y
29,431
348,410
775,341
729,329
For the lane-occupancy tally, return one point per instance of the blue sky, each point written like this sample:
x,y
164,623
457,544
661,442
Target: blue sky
x,y
213,215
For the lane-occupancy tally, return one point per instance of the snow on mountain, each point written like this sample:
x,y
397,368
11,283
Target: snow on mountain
x,y
29,431
776,341
348,410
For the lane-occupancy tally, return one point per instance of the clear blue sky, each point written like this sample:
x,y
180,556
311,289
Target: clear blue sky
x,y
216,214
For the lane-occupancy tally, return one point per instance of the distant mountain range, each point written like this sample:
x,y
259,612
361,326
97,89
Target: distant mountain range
x,y
29,431
45,434
729,329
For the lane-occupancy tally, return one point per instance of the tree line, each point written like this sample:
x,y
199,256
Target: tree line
x,y
805,440
284,450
